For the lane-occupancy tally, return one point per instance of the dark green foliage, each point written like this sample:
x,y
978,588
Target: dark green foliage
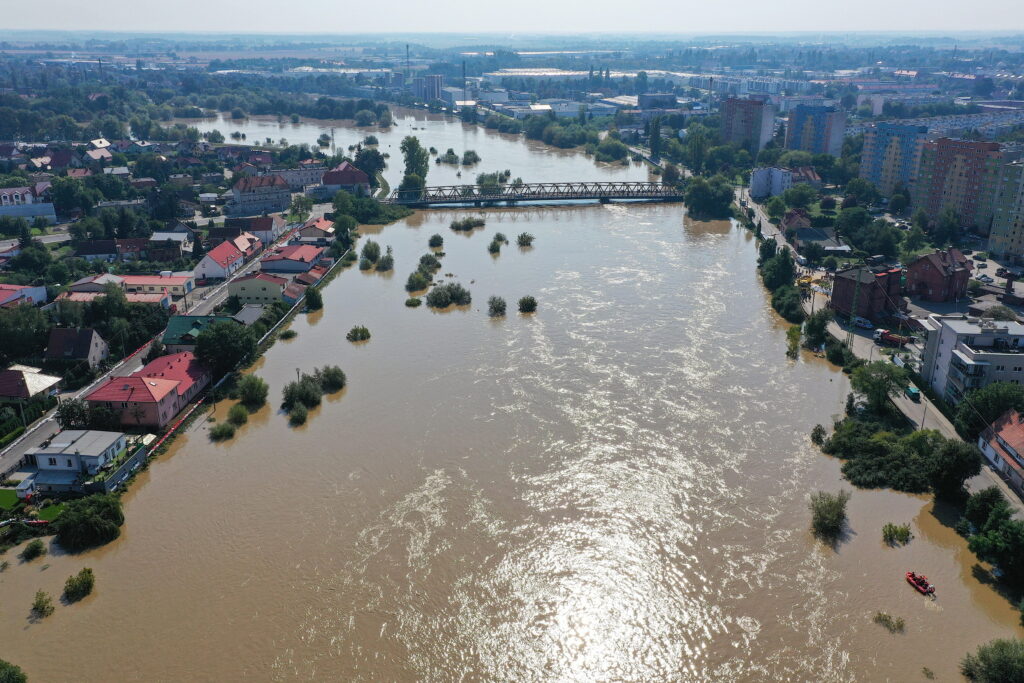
x,y
289,334
365,264
79,585
1001,542
429,264
877,381
954,463
495,307
358,333
298,415
224,345
371,251
877,457
304,391
786,301
828,513
984,504
524,239
89,522
466,224
386,262
818,435
9,673
34,549
413,301
332,379
892,624
222,431
982,407
709,198
252,391
527,304
42,605
448,294
896,534
238,415
314,299
435,241
816,328
417,281
494,247
779,270
998,661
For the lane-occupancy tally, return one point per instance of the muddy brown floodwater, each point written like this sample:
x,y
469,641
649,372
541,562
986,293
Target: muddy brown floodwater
x,y
614,488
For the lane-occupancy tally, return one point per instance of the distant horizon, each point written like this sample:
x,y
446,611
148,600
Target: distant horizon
x,y
461,17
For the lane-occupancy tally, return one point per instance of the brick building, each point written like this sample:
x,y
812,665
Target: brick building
x,y
878,296
939,276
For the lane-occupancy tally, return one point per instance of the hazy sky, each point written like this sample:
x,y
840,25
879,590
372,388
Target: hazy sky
x,y
535,16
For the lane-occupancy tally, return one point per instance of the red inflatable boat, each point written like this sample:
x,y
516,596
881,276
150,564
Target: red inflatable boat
x,y
920,582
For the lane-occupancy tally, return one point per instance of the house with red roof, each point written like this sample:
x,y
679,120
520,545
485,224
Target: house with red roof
x,y
137,401
295,258
177,285
254,195
939,276
15,295
346,177
1002,444
191,375
220,262
249,244
318,231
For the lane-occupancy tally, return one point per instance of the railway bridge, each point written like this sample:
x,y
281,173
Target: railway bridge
x,y
481,195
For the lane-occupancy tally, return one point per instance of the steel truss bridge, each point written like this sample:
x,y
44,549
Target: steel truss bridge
x,y
480,195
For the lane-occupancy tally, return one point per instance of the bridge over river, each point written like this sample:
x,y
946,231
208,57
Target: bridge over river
x,y
479,195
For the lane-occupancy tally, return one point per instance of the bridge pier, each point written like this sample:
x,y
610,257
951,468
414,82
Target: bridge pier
x,y
604,200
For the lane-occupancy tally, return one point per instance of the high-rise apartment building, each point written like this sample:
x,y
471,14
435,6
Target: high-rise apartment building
x,y
748,123
427,88
891,155
816,129
960,175
1006,239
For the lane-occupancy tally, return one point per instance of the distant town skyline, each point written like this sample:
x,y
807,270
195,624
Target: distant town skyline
x,y
528,16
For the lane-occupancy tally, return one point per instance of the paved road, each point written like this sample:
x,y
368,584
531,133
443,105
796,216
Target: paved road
x,y
45,239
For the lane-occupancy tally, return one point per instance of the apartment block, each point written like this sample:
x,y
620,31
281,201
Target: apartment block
x,y
816,129
891,155
962,354
747,123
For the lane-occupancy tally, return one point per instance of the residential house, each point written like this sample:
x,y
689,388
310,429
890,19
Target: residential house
x,y
293,293
183,330
178,284
267,228
21,383
79,173
311,277
15,295
97,250
248,314
259,194
99,143
346,177
1002,444
877,295
770,182
143,183
939,276
191,375
316,231
215,236
72,456
220,262
132,248
26,202
119,172
70,343
795,219
258,288
962,354
294,258
97,283
98,157
137,401
161,299
248,244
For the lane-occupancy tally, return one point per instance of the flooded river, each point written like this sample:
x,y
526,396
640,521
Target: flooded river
x,y
614,488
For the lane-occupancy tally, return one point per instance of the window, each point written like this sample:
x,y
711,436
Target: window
x,y
69,463
52,462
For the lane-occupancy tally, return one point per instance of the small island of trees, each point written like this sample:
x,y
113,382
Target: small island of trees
x,y
524,239
358,333
307,391
467,224
448,294
527,304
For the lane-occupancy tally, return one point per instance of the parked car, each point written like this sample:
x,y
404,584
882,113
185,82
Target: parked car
x,y
863,323
982,265
988,279
913,393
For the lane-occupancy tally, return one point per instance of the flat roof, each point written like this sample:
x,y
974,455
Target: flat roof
x,y
81,442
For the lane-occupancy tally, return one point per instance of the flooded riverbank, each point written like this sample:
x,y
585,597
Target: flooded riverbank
x,y
613,488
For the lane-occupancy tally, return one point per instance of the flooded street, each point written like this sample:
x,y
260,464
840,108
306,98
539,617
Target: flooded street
x,y
613,488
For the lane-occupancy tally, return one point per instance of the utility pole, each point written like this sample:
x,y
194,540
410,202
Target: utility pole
x,y
853,308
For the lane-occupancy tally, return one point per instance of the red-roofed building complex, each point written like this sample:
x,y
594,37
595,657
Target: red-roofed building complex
x,y
1003,445
295,258
152,396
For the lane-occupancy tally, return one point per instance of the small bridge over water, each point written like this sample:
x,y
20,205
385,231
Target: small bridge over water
x,y
479,195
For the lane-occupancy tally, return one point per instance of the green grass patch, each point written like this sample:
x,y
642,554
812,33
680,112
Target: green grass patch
x,y
50,513
8,498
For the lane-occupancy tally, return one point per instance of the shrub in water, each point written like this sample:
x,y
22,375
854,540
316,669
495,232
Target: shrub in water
x,y
413,301
314,299
238,415
435,241
222,431
33,550
527,304
332,379
494,247
371,251
828,513
891,623
252,390
386,262
298,415
500,237
896,534
42,605
818,435
89,522
417,281
429,264
79,585
467,224
495,307
289,334
304,391
445,295
525,239
358,333
365,264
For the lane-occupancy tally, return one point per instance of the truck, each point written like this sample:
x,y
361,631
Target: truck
x,y
891,339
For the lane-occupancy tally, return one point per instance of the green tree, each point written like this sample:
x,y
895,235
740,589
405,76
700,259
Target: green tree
x,y
828,513
876,381
800,196
779,270
998,661
776,207
89,522
224,345
947,228
73,413
417,159
954,463
898,203
863,191
914,239
9,673
79,585
314,299
982,407
252,391
371,162
816,328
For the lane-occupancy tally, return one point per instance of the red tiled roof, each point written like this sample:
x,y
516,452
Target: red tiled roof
x,y
251,183
345,174
1010,428
132,388
224,254
146,280
181,367
946,262
265,277
295,252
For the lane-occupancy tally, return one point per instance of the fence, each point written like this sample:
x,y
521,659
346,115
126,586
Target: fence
x,y
115,478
